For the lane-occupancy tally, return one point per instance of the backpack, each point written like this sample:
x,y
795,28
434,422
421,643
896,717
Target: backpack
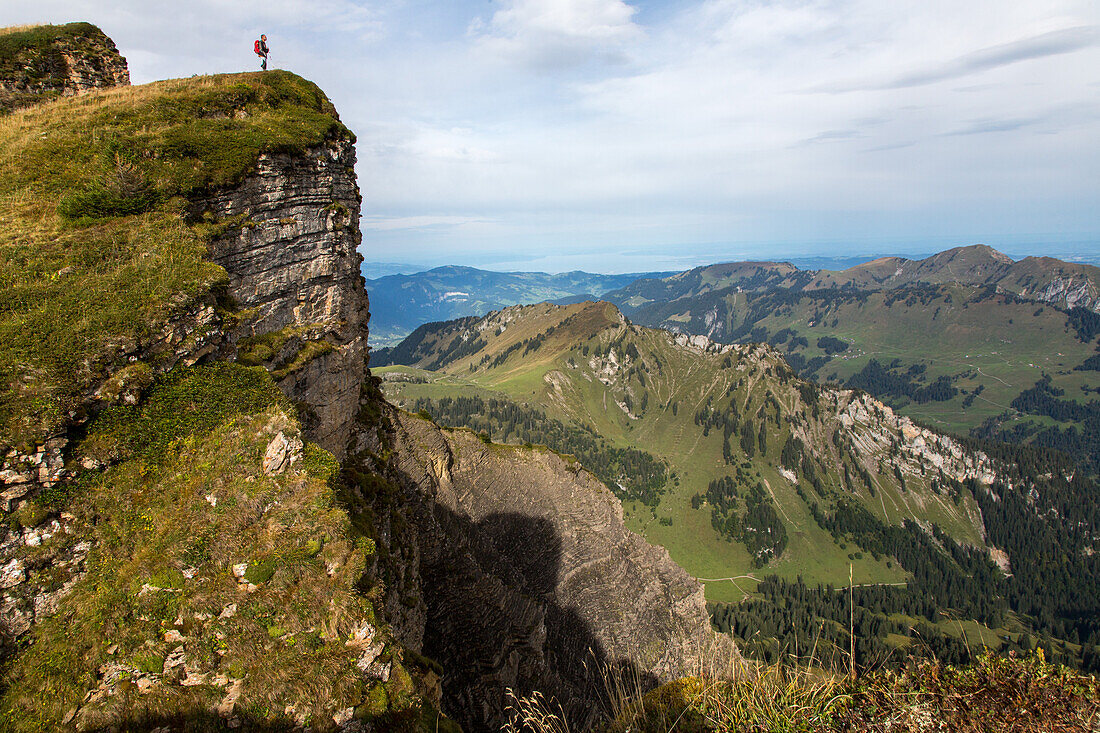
x,y
257,48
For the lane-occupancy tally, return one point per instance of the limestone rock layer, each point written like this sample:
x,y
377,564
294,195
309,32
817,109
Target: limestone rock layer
x,y
293,267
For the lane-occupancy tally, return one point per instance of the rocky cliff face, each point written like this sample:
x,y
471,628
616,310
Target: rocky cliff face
x,y
293,268
45,62
527,578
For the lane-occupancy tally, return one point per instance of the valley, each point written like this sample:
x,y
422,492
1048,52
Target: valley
x,y
755,458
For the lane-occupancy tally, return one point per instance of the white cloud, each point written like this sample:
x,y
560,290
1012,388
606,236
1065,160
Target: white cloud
x,y
589,19
553,34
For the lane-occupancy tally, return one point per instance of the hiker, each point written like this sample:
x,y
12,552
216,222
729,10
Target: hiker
x,y
261,51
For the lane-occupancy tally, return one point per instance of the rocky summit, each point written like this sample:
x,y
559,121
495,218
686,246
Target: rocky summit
x,y
43,62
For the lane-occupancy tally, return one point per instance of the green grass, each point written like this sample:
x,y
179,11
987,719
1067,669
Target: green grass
x,y
98,245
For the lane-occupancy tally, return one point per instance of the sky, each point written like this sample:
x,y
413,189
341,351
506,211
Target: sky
x,y
621,136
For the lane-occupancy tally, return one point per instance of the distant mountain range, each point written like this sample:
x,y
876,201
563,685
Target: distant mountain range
x,y
400,303
967,339
1065,284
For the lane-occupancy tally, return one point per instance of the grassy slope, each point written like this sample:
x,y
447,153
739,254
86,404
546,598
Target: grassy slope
x,y
688,380
184,500
93,252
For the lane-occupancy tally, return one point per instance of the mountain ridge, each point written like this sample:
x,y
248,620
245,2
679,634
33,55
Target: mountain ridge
x,y
1041,278
401,303
756,472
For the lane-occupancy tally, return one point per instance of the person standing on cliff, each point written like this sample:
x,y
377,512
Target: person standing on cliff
x,y
261,51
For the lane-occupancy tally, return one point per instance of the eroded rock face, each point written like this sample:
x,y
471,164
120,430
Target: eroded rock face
x,y
69,64
292,259
1070,292
530,579
38,567
877,432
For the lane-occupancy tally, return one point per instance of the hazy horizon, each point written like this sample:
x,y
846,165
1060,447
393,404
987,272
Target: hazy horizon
x,y
815,256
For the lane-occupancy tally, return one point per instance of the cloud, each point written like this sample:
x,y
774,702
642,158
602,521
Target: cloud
x,y
1052,43
980,127
375,223
890,146
831,136
599,20
548,35
1045,44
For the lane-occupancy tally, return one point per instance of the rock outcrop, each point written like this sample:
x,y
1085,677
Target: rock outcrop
x,y
293,264
1069,292
876,431
45,62
529,579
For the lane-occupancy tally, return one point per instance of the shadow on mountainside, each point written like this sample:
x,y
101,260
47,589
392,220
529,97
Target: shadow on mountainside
x,y
494,623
